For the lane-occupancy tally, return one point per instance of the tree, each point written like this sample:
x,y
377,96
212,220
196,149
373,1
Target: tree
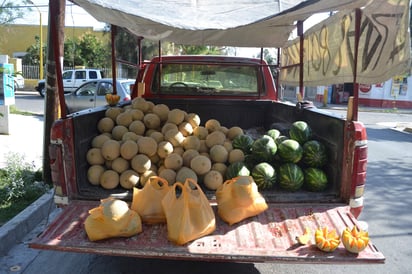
x,y
9,12
32,57
87,51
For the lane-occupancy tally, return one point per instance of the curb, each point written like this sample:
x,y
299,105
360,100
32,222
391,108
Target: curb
x,y
16,229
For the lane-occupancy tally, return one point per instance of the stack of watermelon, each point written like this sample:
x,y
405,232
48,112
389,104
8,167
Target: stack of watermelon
x,y
294,162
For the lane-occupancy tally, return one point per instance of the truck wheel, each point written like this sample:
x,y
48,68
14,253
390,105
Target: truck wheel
x,y
42,91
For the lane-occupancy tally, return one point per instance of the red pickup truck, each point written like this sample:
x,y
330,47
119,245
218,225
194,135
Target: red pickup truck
x,y
236,92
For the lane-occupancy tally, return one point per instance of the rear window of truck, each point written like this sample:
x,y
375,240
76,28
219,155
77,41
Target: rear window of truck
x,y
207,79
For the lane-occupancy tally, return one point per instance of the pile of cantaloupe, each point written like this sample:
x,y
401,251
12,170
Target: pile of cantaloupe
x,y
144,139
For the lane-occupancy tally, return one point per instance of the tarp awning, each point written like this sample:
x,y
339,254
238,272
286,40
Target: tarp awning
x,y
246,23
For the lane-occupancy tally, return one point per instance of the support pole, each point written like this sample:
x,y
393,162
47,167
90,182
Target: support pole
x,y
54,84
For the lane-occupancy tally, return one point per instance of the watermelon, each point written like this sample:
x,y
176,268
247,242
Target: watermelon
x,y
314,154
290,151
315,179
291,177
264,148
274,133
243,142
236,169
264,175
300,132
280,139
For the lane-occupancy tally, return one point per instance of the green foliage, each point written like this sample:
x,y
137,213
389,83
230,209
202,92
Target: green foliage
x,y
33,57
87,51
20,184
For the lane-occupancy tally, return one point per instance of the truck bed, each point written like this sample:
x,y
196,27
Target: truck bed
x,y
253,116
267,237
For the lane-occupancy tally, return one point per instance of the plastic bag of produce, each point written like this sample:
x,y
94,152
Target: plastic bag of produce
x,y
148,200
112,218
238,199
188,212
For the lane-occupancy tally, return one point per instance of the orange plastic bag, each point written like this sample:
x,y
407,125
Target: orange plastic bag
x,y
238,199
188,212
147,202
112,218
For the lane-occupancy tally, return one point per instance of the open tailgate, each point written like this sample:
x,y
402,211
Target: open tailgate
x,y
267,237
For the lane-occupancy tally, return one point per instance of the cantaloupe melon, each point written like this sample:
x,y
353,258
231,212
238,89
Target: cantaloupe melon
x,y
118,131
140,103
236,155
124,119
200,164
137,127
151,120
233,132
119,165
141,163
169,175
162,111
110,149
128,149
112,112
183,173
93,174
164,148
173,161
146,175
188,155
94,156
99,140
218,154
185,128
147,146
109,179
137,114
129,179
215,138
213,179
176,116
105,124
191,142
175,137
193,119
212,125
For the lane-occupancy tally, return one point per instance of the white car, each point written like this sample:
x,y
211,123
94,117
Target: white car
x,y
18,82
92,93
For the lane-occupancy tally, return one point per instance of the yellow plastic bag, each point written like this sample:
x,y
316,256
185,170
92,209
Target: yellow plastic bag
x,y
112,218
188,212
238,199
147,202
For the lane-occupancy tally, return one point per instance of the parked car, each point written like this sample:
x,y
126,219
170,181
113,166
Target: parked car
x,y
18,82
72,79
92,93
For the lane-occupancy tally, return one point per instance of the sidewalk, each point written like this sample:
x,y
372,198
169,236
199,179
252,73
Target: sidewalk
x,y
25,138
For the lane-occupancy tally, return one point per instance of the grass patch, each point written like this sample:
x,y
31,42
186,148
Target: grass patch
x,y
14,110
20,185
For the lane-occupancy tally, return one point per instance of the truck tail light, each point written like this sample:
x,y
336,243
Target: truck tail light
x,y
360,159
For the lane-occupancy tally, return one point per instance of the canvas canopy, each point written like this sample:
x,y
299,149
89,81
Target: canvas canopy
x,y
329,47
246,23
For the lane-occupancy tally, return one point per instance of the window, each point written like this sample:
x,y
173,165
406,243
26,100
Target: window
x,y
207,79
105,88
93,74
88,89
81,74
67,75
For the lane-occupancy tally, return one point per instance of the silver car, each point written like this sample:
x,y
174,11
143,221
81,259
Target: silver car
x,y
92,93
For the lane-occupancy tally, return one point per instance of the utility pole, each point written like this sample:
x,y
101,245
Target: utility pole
x,y
52,104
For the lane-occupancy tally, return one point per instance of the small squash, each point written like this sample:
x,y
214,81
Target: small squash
x,y
355,240
326,240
